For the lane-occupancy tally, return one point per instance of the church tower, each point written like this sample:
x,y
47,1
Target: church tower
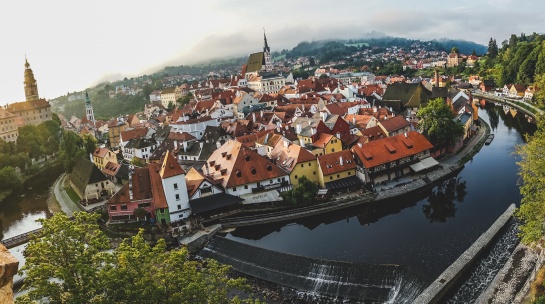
x,y
31,86
89,109
267,54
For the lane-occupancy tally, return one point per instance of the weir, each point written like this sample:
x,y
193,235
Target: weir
x,y
365,282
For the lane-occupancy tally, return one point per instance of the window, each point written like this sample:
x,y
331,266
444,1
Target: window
x,y
234,188
302,165
331,177
338,176
314,173
177,197
295,176
113,207
253,170
349,173
179,207
123,207
175,186
309,164
162,211
332,150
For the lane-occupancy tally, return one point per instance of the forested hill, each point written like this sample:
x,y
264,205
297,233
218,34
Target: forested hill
x,y
325,50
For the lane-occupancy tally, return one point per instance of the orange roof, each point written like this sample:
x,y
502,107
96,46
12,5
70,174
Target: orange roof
x,y
336,162
111,168
170,166
159,199
288,157
180,136
238,165
385,150
395,123
322,140
133,134
100,152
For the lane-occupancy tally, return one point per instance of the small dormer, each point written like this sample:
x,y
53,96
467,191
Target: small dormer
x,y
253,171
367,155
390,148
247,158
238,173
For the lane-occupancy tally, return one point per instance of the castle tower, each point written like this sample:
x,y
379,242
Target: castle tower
x,y
89,109
267,54
31,86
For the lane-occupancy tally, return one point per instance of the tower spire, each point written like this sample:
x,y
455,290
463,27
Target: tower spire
x,y
265,45
31,86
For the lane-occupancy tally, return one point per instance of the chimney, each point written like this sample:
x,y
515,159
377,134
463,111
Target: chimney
x,y
286,143
201,144
354,120
375,109
405,134
360,145
175,145
218,144
298,129
253,116
341,160
185,146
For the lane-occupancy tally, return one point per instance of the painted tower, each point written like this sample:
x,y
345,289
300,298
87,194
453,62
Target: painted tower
x,y
267,54
31,86
89,109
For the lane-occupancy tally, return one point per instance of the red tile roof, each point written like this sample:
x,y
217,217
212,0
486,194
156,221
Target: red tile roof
x,y
159,199
395,123
288,157
385,150
133,134
336,162
170,167
100,152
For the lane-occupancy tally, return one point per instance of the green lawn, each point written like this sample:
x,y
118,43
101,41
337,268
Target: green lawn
x,y
72,194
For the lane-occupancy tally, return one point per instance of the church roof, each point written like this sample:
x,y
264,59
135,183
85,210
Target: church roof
x,y
255,62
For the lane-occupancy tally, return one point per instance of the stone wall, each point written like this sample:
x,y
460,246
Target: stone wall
x,y
8,268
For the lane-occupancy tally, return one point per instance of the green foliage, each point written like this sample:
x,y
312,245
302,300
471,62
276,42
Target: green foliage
x,y
539,95
137,162
9,178
70,264
303,193
89,143
437,121
70,149
62,265
532,173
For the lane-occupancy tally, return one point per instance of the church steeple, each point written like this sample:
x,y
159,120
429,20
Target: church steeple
x,y
266,53
31,86
89,109
265,45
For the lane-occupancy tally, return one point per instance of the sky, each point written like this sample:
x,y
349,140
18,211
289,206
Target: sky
x,y
72,45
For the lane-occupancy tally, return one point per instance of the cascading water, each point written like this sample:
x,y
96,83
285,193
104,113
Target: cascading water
x,y
319,277
482,273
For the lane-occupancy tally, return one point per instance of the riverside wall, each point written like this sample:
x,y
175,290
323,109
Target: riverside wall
x,y
435,292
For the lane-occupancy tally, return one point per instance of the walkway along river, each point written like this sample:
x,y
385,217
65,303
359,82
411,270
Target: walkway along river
x,y
425,232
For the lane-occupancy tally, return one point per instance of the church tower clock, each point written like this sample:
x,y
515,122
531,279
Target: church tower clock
x,y
31,86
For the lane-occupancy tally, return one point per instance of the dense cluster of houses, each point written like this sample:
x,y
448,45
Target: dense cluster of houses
x,y
232,145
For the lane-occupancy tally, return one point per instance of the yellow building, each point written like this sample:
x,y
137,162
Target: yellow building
x,y
8,126
295,160
101,157
115,128
322,144
334,167
171,95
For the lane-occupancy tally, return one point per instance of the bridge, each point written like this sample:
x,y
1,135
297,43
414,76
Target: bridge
x,y
21,238
520,105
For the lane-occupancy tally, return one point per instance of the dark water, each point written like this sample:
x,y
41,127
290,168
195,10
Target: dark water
x,y
19,211
426,232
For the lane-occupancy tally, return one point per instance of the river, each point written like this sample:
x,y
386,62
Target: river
x,y
426,232
20,210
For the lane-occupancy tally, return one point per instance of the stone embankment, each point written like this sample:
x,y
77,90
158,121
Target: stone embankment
x,y
435,292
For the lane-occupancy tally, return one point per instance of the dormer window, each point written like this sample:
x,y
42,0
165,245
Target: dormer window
x,y
253,170
269,167
238,173
247,158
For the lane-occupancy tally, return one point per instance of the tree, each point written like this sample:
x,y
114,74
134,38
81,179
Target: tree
x,y
455,50
62,264
9,178
170,106
70,264
539,95
140,213
89,143
69,149
437,121
492,49
532,173
304,192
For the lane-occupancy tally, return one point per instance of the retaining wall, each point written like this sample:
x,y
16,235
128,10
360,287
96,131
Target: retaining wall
x,y
435,292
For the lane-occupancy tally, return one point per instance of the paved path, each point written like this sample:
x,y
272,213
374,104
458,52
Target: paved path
x,y
67,205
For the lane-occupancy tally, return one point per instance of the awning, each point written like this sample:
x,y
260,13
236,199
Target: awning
x,y
261,197
213,202
343,183
426,163
429,162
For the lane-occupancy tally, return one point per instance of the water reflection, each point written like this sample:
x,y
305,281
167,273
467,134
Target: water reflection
x,y
441,202
519,122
